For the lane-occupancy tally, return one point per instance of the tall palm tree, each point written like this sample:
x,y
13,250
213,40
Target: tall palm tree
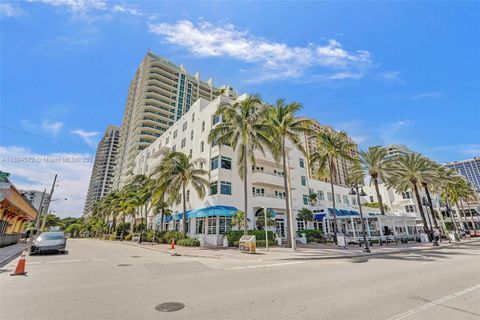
x,y
446,187
243,128
407,173
177,171
331,145
141,191
373,163
470,195
285,127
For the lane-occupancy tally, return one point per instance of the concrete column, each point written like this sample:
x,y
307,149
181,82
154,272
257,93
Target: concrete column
x,y
368,227
380,227
393,227
353,227
406,226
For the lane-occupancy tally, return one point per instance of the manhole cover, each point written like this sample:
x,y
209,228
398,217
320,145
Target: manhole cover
x,y
124,265
169,306
136,256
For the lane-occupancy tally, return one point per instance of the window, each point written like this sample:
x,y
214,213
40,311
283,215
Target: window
x,y
258,191
345,200
224,224
225,187
202,145
214,163
305,199
200,228
329,196
213,188
214,143
184,141
203,126
184,127
226,163
410,208
193,116
188,195
212,225
338,199
406,195
215,120
304,180
320,195
302,163
190,152
174,148
175,133
191,135
300,225
371,199
279,194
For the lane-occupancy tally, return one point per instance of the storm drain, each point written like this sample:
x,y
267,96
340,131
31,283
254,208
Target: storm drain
x,y
124,265
169,306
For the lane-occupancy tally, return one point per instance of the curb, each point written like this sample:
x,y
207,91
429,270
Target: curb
x,y
360,255
12,257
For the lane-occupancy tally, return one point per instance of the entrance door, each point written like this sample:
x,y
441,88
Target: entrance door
x,y
280,228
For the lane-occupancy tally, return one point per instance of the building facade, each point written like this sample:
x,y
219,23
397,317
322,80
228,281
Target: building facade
x,y
159,94
470,169
101,180
211,216
395,150
35,198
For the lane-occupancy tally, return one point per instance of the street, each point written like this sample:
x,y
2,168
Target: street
x,y
106,280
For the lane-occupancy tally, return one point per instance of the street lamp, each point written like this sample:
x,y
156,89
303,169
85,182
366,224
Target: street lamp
x,y
425,203
354,191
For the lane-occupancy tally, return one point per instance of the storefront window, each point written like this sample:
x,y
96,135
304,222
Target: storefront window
x,y
212,225
224,224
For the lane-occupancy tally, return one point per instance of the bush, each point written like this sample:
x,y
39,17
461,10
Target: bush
x,y
128,237
113,236
189,242
235,235
262,243
313,235
169,235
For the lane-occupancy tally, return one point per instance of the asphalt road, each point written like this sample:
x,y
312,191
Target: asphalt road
x,y
104,280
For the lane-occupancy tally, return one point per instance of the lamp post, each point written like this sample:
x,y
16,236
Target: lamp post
x,y
354,191
425,203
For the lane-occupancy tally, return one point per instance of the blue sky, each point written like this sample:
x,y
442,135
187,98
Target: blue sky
x,y
402,72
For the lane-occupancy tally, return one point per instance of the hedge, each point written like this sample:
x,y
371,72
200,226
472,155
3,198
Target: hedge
x,y
312,233
190,242
234,236
169,235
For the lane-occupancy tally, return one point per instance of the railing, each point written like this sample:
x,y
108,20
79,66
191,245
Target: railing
x,y
269,196
8,239
269,173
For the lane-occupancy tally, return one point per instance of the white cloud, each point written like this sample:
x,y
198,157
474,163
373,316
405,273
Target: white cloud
x,y
76,6
391,76
128,10
10,10
276,60
426,95
53,127
86,136
31,170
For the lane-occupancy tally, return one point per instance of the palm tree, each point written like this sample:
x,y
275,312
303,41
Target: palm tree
x,y
305,215
407,172
177,171
243,128
446,186
470,194
331,145
373,163
285,127
238,219
141,190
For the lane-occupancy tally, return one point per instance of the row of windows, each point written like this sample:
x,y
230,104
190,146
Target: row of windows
x,y
225,188
225,163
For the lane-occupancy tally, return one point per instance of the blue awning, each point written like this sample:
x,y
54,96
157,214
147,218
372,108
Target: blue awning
x,y
331,212
213,211
355,213
345,213
319,216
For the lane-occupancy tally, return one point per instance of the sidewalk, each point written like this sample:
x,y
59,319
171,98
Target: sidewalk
x,y
9,253
302,253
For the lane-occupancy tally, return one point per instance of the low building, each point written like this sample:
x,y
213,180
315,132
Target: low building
x,y
15,210
210,217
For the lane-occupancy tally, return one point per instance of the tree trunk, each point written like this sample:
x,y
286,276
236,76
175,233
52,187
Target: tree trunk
x,y
464,216
123,227
420,208
245,192
454,222
379,197
335,226
141,225
471,216
430,205
184,215
290,242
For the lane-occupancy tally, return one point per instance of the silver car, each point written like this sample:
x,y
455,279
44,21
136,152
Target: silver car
x,y
49,242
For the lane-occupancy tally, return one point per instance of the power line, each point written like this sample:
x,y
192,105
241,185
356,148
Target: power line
x,y
44,137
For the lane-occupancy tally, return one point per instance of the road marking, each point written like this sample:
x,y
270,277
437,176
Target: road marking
x,y
266,265
434,303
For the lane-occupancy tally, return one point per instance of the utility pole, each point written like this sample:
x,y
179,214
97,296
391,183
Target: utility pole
x,y
48,203
37,223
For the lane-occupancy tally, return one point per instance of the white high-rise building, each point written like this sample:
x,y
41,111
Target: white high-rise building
x,y
159,94
101,180
470,169
210,217
394,150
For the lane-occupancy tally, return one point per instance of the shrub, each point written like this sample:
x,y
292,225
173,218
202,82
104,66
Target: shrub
x,y
128,237
313,234
189,242
234,236
169,235
262,243
113,236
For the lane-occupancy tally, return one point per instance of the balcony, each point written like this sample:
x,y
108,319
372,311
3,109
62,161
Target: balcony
x,y
267,179
268,200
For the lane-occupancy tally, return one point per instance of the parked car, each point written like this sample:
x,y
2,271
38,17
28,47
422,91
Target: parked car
x,y
49,242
